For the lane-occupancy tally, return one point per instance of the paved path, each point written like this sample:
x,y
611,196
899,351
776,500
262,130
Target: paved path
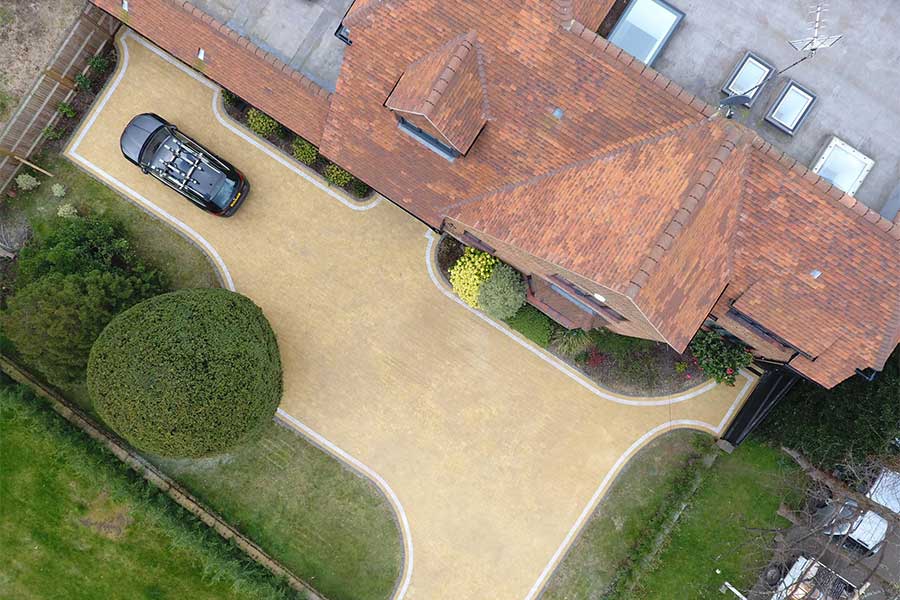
x,y
491,452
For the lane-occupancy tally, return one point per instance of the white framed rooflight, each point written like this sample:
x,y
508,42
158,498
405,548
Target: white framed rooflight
x,y
645,27
843,165
747,77
791,108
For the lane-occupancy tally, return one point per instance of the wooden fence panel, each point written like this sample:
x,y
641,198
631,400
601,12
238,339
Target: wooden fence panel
x,y
87,37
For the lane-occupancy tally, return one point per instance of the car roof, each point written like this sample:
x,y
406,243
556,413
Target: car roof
x,y
136,133
870,530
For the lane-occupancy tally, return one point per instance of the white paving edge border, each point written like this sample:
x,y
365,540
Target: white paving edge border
x,y
401,590
566,369
322,441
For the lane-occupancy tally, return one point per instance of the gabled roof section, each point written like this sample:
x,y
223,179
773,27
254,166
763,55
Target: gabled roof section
x,y
600,217
792,224
445,93
532,67
689,266
787,305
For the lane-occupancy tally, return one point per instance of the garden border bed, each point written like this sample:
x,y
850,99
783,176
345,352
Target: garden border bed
x,y
598,367
283,140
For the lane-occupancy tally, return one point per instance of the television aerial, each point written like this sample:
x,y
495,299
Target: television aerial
x,y
808,46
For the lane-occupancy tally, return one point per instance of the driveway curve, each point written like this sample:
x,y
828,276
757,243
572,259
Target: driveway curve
x,y
492,452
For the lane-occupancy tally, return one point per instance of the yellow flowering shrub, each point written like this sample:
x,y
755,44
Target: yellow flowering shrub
x,y
472,269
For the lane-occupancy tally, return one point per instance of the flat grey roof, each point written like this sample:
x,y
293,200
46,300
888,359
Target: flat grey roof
x,y
857,82
299,32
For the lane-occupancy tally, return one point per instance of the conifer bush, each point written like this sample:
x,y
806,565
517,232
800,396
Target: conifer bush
x,y
187,374
262,124
503,294
304,151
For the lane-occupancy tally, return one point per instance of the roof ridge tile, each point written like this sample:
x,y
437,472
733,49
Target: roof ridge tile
x,y
692,201
609,153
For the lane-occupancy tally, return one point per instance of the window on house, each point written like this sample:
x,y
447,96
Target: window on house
x,y
843,165
757,328
748,77
429,141
713,325
645,28
583,300
473,241
791,108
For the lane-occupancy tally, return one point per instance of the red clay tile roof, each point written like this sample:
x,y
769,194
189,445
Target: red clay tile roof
x,y
605,218
444,93
531,67
682,218
232,60
690,264
786,304
621,189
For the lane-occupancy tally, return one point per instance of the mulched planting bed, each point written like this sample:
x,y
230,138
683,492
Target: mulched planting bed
x,y
81,102
238,110
620,364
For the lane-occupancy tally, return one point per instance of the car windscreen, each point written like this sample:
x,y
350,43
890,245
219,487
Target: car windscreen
x,y
225,193
152,146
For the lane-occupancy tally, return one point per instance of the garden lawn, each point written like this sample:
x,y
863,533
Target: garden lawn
x,y
160,245
327,525
741,492
184,265
76,523
607,543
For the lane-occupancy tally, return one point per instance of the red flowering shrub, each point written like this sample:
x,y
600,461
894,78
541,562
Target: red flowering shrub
x,y
719,359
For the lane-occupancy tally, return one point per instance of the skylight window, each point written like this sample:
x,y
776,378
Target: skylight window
x,y
843,165
645,28
747,77
791,108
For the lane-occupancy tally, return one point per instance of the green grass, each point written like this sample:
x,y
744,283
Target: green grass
x,y
326,524
161,246
77,524
727,526
184,264
323,522
607,544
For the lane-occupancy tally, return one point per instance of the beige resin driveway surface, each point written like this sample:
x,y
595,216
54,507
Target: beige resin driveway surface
x,y
490,451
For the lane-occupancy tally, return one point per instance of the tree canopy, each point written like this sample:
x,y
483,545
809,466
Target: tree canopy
x,y
70,283
187,374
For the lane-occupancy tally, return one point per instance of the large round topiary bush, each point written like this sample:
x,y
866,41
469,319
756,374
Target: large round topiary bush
x,y
186,374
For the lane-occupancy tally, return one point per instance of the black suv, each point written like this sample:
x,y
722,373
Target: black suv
x,y
158,148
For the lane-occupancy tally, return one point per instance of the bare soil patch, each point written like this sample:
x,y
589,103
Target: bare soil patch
x,y
30,32
107,518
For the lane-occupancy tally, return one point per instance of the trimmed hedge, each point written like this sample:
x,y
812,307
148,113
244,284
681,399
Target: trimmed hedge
x,y
304,151
335,175
503,293
533,324
263,124
187,374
